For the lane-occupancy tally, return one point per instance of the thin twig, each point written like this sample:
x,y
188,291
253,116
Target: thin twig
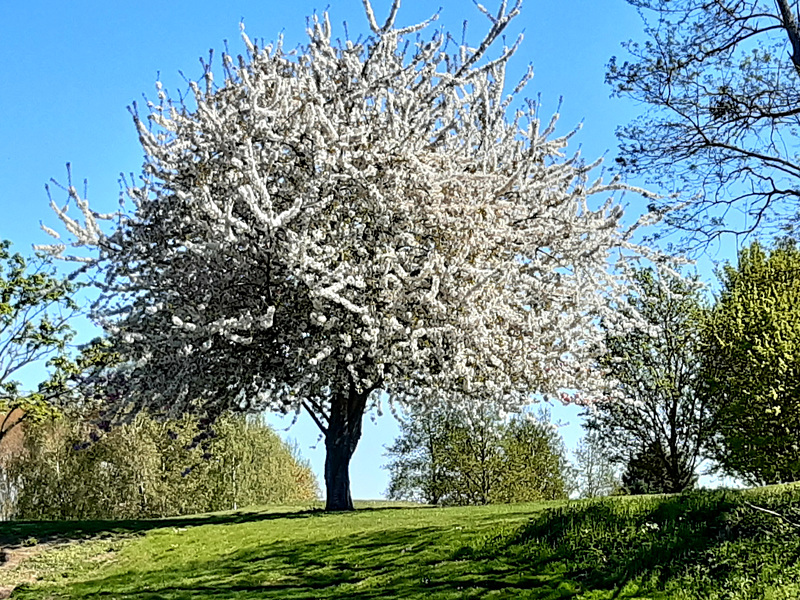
x,y
773,513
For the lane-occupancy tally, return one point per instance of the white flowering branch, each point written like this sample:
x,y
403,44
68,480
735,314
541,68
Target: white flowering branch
x,y
351,218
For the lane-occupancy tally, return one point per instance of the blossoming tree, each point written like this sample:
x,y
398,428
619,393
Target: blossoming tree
x,y
348,222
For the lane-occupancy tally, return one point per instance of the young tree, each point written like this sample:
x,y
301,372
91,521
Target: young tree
x,y
35,308
534,463
751,363
656,370
448,456
419,456
595,468
348,219
720,81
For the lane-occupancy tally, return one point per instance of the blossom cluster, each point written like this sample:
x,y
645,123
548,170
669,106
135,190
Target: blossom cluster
x,y
373,215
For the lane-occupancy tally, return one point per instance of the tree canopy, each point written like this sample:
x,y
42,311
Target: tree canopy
x,y
665,416
35,308
720,84
751,364
348,219
449,456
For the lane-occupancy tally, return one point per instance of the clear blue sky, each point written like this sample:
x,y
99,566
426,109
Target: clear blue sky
x,y
70,69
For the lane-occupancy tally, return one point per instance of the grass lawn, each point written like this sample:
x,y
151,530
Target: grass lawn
x,y
384,552
701,545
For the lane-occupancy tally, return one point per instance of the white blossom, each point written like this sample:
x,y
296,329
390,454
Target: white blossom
x,y
356,217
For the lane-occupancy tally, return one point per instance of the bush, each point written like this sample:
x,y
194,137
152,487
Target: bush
x,y
149,469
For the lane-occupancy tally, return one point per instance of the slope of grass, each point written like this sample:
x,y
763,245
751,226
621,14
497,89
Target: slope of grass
x,y
701,545
714,545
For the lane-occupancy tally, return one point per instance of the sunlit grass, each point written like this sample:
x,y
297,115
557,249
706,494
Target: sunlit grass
x,y
702,545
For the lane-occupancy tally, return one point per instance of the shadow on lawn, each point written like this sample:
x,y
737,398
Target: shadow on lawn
x,y
560,553
407,562
14,533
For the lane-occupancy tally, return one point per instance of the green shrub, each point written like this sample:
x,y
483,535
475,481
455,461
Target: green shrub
x,y
149,469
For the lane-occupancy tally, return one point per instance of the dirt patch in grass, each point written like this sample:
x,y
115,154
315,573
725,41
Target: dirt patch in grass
x,y
12,569
53,561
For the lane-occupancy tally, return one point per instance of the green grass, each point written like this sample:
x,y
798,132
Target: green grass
x,y
700,545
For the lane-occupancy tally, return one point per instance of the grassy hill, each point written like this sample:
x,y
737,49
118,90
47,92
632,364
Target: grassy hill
x,y
731,545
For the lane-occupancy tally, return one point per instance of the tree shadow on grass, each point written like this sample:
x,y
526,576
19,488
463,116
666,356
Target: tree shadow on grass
x,y
405,562
15,533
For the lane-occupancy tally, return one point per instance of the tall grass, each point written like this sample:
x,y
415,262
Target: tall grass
x,y
705,544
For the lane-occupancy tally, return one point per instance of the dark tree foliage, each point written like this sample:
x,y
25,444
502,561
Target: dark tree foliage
x,y
664,415
719,80
646,473
751,362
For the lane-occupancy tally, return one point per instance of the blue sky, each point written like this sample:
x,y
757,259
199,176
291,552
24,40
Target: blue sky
x,y
71,69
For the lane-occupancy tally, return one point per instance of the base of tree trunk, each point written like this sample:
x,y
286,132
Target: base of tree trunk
x,y
337,476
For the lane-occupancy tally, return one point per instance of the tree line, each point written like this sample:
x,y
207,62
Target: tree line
x,y
62,470
715,381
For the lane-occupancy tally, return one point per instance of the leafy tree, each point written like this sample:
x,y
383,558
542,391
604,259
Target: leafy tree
x,y
150,469
418,466
595,469
35,308
473,461
447,456
720,80
751,361
666,413
534,463
348,219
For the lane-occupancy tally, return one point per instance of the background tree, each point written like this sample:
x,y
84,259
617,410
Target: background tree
x,y
350,218
751,363
657,373
35,308
150,469
419,455
720,80
534,463
595,470
645,472
473,461
451,457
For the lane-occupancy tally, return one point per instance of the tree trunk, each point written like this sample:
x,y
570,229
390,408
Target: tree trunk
x,y
341,438
337,472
